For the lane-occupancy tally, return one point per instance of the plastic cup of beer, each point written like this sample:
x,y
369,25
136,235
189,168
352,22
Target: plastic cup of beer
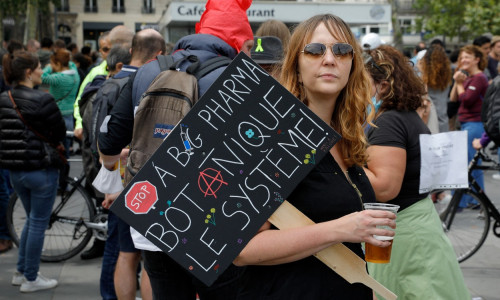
x,y
374,254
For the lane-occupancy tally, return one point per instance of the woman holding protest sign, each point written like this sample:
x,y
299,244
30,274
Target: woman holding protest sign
x,y
324,69
423,263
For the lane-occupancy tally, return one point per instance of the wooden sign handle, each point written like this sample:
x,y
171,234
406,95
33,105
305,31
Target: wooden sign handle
x,y
338,257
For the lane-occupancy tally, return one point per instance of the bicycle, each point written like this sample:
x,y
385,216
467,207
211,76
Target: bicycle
x,y
467,228
73,222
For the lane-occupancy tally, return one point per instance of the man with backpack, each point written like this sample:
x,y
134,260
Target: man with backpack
x,y
119,35
223,31
117,57
146,45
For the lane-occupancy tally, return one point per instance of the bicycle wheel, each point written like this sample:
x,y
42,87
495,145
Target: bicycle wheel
x,y
466,228
66,234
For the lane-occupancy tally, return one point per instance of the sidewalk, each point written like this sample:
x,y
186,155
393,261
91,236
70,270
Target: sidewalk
x,y
482,270
79,280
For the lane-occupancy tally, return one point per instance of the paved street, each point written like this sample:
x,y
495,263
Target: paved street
x,y
482,270
79,280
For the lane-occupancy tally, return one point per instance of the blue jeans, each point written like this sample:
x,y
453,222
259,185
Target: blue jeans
x,y
111,250
68,141
474,131
37,191
4,202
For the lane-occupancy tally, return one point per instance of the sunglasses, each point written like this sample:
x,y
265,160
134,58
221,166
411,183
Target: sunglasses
x,y
105,49
370,61
319,50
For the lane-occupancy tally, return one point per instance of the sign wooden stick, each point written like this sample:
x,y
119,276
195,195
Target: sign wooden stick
x,y
338,257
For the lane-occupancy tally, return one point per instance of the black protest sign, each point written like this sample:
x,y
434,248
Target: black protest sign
x,y
224,169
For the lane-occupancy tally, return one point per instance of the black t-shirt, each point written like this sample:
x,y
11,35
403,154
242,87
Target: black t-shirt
x,y
325,194
402,129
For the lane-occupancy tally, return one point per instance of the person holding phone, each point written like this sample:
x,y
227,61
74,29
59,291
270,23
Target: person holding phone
x,y
469,89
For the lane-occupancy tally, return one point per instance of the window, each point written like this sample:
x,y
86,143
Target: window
x,y
148,7
406,26
118,6
90,5
64,6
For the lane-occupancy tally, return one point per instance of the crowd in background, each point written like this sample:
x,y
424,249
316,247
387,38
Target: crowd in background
x,y
403,94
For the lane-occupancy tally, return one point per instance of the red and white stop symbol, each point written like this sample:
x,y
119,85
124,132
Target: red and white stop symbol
x,y
141,197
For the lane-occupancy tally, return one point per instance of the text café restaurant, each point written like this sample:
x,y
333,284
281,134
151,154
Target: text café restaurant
x,y
181,17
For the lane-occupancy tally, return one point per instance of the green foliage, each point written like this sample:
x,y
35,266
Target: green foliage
x,y
24,14
15,8
482,16
442,17
464,19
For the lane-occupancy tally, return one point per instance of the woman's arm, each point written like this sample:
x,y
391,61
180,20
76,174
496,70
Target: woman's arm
x,y
453,93
50,78
271,246
385,169
458,86
54,127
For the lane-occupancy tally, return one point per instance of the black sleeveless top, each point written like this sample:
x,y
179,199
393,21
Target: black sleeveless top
x,y
325,194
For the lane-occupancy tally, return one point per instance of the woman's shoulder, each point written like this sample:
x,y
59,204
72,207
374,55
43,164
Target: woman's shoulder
x,y
398,114
479,78
397,119
29,93
392,116
42,94
38,96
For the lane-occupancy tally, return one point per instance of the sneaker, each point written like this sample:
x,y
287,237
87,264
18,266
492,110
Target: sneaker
x,y
5,245
97,250
496,176
18,279
40,283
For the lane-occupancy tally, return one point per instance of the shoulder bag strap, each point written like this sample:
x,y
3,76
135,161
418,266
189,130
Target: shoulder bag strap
x,y
67,94
165,62
212,64
25,123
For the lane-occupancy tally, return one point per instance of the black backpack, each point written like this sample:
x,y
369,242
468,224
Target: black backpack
x,y
102,104
167,100
490,111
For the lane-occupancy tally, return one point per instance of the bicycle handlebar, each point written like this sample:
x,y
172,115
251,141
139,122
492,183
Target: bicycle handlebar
x,y
482,155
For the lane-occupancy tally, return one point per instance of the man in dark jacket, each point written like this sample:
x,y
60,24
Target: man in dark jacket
x,y
223,31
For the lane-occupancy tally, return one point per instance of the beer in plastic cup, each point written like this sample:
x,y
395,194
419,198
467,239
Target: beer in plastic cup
x,y
374,254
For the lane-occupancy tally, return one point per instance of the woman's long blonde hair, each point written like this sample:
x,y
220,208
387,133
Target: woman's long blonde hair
x,y
350,114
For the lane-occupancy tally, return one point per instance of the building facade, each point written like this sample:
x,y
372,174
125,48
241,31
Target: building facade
x,y
82,21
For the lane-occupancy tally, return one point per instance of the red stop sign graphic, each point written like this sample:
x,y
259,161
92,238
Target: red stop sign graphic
x,y
141,197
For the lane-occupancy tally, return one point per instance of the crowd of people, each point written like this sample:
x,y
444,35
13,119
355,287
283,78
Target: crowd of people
x,y
376,97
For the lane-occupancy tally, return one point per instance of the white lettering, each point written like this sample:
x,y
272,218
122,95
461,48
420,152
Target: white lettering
x,y
177,155
171,210
236,212
162,237
209,245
